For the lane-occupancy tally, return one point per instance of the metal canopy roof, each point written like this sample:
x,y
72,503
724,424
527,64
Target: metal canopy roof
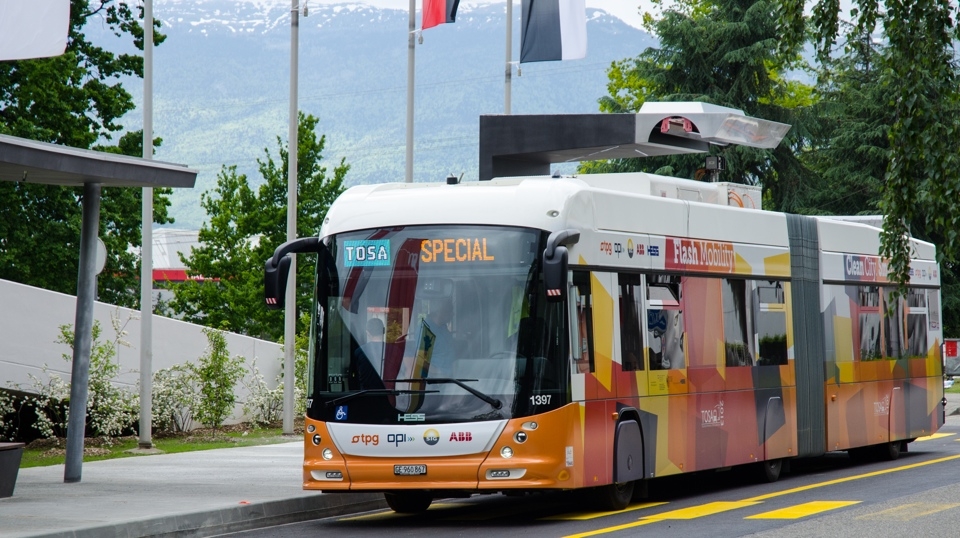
x,y
528,144
39,162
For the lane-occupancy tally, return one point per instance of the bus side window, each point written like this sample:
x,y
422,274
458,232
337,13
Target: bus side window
x,y
631,308
581,332
917,323
868,322
738,322
893,330
665,322
771,310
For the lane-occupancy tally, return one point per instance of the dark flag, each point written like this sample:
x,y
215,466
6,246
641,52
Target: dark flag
x,y
553,30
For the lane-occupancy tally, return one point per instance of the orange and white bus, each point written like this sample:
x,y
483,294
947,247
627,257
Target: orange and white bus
x,y
559,333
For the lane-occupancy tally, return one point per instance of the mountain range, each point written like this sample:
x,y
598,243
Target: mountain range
x,y
221,85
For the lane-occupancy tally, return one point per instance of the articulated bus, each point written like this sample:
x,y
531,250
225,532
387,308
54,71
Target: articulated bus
x,y
558,333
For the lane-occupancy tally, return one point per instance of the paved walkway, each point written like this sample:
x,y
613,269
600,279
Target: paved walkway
x,y
201,493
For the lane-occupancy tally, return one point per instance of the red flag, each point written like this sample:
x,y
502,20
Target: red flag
x,y
437,12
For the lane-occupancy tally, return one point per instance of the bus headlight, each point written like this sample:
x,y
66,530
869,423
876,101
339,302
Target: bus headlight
x,y
327,454
506,452
316,439
520,437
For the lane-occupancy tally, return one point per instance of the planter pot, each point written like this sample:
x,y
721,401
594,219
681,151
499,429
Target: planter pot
x,y
10,454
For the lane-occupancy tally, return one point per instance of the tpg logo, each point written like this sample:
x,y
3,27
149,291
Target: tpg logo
x,y
366,439
397,438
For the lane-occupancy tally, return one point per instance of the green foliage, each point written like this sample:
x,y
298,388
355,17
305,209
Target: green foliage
x,y
246,224
218,374
723,52
922,179
74,99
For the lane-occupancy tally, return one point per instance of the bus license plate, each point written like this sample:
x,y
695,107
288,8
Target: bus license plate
x,y
409,470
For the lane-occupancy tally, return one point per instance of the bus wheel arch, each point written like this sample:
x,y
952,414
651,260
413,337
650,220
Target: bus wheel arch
x,y
627,463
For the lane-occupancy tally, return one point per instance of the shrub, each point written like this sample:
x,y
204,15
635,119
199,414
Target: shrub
x,y
8,430
218,374
176,394
110,409
264,405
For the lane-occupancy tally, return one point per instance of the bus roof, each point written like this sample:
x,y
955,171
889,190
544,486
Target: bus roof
x,y
630,203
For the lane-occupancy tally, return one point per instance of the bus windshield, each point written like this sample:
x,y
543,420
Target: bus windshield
x,y
434,324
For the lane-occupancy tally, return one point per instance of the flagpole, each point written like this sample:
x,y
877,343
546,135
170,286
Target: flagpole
x,y
145,440
410,59
508,71
293,147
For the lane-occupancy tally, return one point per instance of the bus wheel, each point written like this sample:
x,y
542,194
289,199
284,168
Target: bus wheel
x,y
770,470
408,502
889,451
614,497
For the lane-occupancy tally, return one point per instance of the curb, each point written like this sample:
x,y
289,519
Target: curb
x,y
235,519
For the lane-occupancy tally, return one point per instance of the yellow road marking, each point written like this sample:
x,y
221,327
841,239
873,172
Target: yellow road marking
x,y
851,478
613,529
803,510
933,436
584,516
682,513
387,514
699,511
760,498
907,512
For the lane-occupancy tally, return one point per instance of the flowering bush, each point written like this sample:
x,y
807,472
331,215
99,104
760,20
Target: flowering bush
x,y
264,405
176,393
110,409
8,430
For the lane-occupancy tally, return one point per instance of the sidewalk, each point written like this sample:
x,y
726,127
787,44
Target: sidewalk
x,y
201,493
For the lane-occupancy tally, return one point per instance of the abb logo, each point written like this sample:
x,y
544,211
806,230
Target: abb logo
x,y
461,436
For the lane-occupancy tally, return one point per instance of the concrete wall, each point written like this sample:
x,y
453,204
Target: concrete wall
x,y
30,320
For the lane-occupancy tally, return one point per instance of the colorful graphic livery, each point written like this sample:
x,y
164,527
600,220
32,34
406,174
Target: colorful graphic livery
x,y
598,331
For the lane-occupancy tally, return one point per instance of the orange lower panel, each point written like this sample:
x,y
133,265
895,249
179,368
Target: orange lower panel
x,y
442,473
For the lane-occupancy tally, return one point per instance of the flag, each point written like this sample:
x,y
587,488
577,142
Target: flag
x,y
33,28
437,12
553,30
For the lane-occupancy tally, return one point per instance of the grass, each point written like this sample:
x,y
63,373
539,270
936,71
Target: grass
x,y
51,451
955,388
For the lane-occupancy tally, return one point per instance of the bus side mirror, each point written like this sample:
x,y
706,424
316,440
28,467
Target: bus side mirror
x,y
555,263
555,274
275,282
277,269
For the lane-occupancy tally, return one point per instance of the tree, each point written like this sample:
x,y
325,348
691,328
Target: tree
x,y
922,178
76,100
218,374
852,151
723,52
245,227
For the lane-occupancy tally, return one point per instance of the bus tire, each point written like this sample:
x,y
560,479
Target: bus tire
x,y
769,470
614,497
408,502
889,451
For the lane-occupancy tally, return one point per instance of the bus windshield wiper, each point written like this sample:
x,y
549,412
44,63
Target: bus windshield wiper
x,y
458,382
391,392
